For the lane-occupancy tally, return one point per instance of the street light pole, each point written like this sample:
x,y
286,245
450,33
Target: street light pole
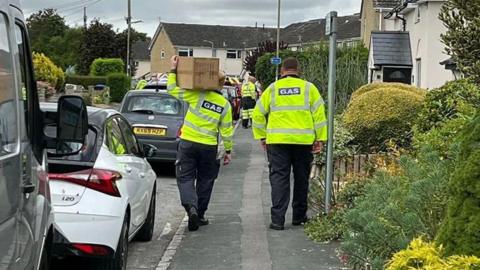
x,y
278,38
129,23
331,30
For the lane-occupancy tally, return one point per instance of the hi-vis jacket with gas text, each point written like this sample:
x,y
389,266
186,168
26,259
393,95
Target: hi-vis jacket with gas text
x,y
290,111
248,90
209,114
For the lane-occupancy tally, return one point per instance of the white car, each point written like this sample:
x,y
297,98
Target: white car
x,y
104,195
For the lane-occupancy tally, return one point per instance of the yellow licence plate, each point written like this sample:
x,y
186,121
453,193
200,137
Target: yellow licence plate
x,y
150,131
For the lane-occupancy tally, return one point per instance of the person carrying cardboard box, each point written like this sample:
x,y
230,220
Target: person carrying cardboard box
x,y
209,115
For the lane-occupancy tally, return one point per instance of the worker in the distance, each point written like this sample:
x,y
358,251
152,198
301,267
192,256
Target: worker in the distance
x,y
290,121
249,94
209,115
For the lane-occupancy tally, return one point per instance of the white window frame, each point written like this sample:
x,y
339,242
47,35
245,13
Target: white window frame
x,y
162,54
189,51
238,54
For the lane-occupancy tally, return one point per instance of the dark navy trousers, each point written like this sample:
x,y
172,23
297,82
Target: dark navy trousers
x,y
197,168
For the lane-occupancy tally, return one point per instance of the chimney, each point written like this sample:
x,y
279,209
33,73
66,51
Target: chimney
x,y
263,27
256,24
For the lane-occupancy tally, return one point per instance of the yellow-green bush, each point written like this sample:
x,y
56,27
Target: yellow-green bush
x,y
382,114
428,256
47,71
374,86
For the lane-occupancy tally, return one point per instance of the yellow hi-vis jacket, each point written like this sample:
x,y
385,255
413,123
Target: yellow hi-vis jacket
x,y
248,90
209,115
290,111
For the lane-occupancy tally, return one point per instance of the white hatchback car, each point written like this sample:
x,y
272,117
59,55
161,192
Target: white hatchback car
x,y
104,195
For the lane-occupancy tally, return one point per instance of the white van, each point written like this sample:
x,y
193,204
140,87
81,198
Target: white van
x,y
25,216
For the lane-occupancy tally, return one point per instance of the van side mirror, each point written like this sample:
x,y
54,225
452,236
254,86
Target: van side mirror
x,y
149,150
72,124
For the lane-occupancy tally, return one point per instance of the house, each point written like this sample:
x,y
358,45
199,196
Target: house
x,y
141,58
372,15
420,19
232,43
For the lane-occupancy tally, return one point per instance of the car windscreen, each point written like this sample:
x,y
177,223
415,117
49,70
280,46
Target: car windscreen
x,y
158,104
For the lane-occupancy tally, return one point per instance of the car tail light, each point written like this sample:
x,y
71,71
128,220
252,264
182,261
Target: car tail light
x,y
93,250
100,180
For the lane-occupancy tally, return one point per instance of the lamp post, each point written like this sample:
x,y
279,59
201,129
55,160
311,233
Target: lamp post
x,y
278,37
212,44
129,28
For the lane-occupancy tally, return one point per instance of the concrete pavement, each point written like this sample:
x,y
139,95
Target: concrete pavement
x,y
237,237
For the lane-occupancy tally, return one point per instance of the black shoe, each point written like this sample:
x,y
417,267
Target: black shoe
x,y
276,227
193,219
203,222
300,221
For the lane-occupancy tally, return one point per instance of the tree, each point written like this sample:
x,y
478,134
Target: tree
x,y
122,45
267,46
99,41
463,34
51,36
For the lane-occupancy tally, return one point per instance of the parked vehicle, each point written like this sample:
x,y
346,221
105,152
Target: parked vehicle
x,y
104,195
232,95
26,222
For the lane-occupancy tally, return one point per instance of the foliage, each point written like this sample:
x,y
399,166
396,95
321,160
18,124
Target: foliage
x,y
325,228
397,208
460,233
422,255
105,66
447,102
267,46
46,70
98,42
375,86
50,35
462,38
389,118
121,41
86,81
119,84
351,70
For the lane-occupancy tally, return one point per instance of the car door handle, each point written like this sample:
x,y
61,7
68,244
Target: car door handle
x,y
142,175
28,188
128,169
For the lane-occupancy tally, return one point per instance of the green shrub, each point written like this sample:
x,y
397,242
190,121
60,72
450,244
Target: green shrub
x,y
119,84
106,66
325,228
86,81
396,209
45,70
375,86
265,71
382,115
460,233
447,102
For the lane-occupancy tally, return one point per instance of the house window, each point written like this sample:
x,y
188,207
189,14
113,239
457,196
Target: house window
x,y
185,52
234,54
419,72
162,54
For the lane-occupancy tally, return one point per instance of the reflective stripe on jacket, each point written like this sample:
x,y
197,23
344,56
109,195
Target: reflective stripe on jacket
x,y
249,90
209,115
296,113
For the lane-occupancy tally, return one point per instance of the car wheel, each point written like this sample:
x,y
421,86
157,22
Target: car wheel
x,y
146,232
119,260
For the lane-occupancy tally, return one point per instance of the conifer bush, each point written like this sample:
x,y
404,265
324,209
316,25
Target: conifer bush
x,y
460,233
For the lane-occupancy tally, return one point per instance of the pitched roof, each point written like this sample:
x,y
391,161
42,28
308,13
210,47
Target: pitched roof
x,y
238,37
348,27
140,50
386,3
391,48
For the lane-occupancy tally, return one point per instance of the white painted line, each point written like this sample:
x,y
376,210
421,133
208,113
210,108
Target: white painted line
x,y
169,253
166,230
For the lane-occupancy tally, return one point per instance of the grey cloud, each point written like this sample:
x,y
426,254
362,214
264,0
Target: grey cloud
x,y
227,12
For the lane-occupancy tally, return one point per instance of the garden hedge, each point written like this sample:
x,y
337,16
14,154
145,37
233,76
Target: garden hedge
x,y
106,66
119,84
385,113
86,81
460,232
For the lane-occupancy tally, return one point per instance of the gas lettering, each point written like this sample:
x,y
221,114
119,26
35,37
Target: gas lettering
x,y
212,107
289,91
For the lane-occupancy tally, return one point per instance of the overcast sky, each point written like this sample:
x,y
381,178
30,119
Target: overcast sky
x,y
225,12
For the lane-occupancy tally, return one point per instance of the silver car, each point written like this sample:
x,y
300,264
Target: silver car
x,y
156,118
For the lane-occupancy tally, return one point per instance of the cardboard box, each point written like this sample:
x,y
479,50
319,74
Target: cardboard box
x,y
198,73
